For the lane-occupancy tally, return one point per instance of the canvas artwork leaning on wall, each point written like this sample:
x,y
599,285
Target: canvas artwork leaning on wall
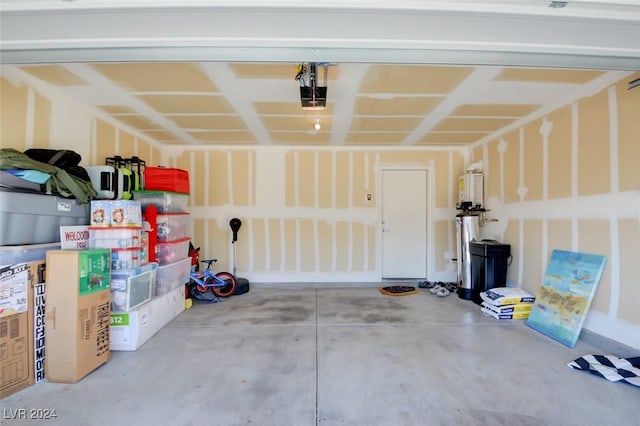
x,y
567,289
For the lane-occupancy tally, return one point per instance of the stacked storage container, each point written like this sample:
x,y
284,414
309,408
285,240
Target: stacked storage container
x,y
166,219
117,225
167,214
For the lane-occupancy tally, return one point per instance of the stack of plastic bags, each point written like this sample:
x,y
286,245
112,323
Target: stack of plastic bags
x,y
506,303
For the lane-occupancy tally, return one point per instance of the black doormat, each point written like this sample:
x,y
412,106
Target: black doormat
x,y
398,290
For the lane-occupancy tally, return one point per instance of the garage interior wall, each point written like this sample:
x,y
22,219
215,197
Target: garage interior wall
x,y
567,181
44,118
305,212
570,181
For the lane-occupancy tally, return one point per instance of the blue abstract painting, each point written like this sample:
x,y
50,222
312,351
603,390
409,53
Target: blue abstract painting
x,y
564,298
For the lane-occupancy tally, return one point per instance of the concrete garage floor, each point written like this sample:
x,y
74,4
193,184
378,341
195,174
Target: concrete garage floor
x,y
339,357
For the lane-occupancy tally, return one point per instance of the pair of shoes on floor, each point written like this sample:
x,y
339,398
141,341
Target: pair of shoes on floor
x,y
427,284
452,287
440,290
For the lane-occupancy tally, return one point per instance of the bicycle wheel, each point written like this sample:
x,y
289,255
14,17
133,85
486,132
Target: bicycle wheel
x,y
227,288
203,288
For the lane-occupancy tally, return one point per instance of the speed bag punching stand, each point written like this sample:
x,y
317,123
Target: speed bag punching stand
x,y
242,284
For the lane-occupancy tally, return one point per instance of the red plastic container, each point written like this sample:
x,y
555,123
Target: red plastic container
x,y
166,179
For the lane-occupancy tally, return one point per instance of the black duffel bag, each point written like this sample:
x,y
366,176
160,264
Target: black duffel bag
x,y
62,158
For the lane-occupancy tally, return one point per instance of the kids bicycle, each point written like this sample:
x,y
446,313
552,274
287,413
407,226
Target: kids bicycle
x,y
222,284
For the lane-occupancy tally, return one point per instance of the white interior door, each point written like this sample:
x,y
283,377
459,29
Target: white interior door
x,y
404,223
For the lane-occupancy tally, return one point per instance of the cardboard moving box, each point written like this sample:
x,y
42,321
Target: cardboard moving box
x,y
17,330
16,353
77,313
37,314
13,289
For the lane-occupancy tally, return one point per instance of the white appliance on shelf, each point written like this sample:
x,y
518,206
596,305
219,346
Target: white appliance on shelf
x,y
471,190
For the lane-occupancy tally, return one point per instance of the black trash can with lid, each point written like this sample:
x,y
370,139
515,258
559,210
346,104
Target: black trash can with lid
x,y
489,262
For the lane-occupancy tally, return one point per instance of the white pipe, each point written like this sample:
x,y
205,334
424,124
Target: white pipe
x,y
475,167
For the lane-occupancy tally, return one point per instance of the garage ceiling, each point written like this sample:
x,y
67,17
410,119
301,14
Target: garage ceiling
x,y
415,74
259,103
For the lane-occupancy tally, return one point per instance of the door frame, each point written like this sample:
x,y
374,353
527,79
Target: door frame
x,y
429,221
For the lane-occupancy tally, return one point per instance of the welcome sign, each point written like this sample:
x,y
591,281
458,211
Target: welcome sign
x,y
74,237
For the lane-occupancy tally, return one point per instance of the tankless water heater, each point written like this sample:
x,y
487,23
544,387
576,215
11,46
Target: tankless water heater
x,y
471,190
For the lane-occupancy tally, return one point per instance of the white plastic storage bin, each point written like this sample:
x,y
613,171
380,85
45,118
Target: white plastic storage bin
x,y
131,288
115,237
172,276
172,251
130,330
172,226
125,258
165,202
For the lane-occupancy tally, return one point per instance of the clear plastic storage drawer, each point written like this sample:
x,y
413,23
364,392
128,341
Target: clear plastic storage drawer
x,y
172,251
115,237
131,288
165,202
173,275
172,226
